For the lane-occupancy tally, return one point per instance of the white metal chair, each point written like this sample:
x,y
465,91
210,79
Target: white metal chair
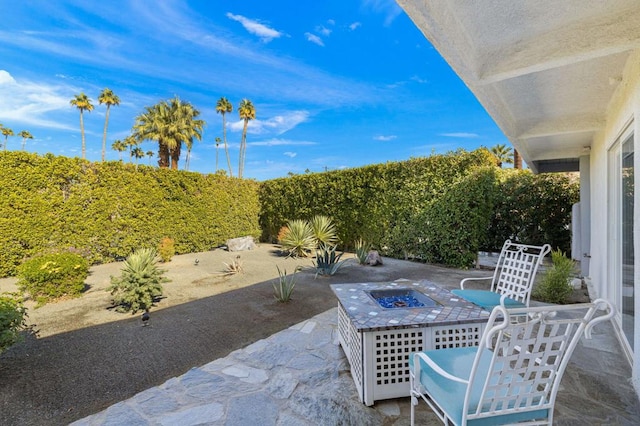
x,y
513,277
513,375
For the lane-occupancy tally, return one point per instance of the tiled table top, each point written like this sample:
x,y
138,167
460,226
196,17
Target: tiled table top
x,y
367,315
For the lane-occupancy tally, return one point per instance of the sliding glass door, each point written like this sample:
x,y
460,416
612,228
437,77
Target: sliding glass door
x,y
621,253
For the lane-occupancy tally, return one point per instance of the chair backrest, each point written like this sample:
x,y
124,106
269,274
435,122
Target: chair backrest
x,y
516,270
523,355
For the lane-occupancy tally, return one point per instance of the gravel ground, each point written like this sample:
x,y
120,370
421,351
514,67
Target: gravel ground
x,y
86,357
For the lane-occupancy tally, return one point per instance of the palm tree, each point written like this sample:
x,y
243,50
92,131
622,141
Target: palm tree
x,y
217,145
108,98
119,146
502,154
137,153
247,112
6,132
83,103
25,135
150,155
132,143
223,106
170,123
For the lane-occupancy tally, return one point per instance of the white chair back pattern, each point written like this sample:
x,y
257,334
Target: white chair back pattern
x,y
516,269
529,356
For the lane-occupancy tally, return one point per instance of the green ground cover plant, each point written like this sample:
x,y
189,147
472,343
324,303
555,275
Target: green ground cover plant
x,y
51,276
12,320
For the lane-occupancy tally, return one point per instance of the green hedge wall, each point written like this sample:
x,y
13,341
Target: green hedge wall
x,y
535,209
374,202
105,211
440,209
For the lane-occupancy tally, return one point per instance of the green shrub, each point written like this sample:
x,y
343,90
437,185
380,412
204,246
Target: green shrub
x,y
12,320
453,227
51,276
533,209
283,288
298,239
140,284
166,249
327,261
555,286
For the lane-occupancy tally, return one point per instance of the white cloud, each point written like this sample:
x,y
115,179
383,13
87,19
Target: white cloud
x,y
290,154
354,26
314,39
385,138
389,8
265,33
331,22
460,135
419,80
323,30
31,103
278,124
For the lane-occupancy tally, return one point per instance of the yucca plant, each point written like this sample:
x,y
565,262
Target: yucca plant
x,y
324,230
362,251
235,267
140,284
299,239
283,288
327,261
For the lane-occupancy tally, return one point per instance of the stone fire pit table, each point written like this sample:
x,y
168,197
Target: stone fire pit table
x,y
377,340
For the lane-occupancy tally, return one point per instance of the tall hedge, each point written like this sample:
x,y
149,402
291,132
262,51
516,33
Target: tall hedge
x,y
535,209
107,210
370,202
441,209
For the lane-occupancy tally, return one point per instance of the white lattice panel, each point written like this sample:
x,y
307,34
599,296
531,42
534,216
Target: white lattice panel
x,y
456,336
379,360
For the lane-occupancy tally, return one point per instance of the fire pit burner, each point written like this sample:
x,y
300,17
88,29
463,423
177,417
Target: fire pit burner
x,y
402,298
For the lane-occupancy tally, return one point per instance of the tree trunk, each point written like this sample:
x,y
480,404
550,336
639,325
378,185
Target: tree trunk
x,y
82,133
175,156
104,134
517,159
163,155
226,148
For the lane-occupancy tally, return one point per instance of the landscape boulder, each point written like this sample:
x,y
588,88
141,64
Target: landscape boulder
x,y
241,244
373,258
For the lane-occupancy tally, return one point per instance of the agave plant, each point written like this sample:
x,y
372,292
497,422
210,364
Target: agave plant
x,y
298,240
362,250
140,284
324,230
283,288
327,261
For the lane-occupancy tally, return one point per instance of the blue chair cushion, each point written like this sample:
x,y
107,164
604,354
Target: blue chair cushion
x,y
486,299
450,395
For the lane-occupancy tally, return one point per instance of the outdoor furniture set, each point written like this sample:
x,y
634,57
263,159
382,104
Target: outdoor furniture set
x,y
475,356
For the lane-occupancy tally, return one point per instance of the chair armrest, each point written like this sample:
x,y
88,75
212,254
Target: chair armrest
x,y
472,279
434,366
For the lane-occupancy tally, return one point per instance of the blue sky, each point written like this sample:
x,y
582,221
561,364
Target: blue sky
x,y
336,84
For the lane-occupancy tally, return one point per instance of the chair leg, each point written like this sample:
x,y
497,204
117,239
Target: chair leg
x,y
414,402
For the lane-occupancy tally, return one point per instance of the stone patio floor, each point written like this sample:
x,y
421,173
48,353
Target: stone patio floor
x,y
300,376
